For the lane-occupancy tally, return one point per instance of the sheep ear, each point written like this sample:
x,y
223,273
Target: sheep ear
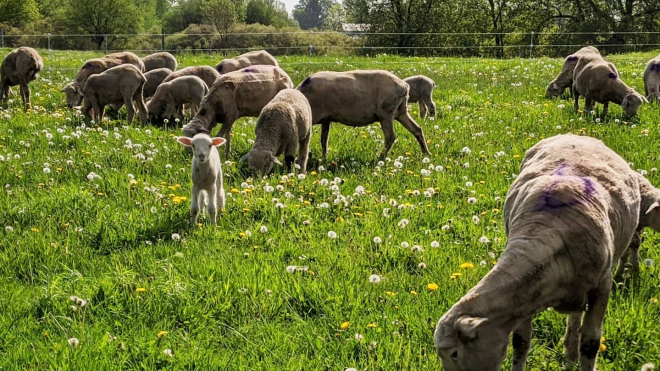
x,y
230,85
644,99
185,141
467,327
654,206
555,86
275,160
217,141
244,158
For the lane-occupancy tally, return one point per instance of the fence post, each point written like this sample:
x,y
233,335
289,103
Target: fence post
x,y
105,43
49,50
531,46
162,39
2,38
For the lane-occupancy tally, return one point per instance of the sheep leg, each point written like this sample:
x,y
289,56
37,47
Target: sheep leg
x,y
388,132
194,108
325,133
634,253
25,94
572,339
606,107
89,109
522,338
220,194
588,104
618,276
212,207
142,108
428,101
99,114
422,109
5,91
129,108
303,152
194,206
416,130
592,325
576,95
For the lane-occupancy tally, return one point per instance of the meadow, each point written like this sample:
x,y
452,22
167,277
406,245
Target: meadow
x,y
349,266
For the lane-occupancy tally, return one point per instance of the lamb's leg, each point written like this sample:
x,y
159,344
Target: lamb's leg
x,y
194,206
128,101
428,101
606,107
634,253
416,130
388,132
220,194
141,106
572,339
592,325
422,109
521,341
303,152
212,206
325,133
25,94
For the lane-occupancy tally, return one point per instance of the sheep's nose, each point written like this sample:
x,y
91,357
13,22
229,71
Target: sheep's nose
x,y
201,157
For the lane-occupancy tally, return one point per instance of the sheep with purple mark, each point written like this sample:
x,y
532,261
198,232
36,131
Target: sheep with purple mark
x,y
206,176
652,79
564,80
599,81
260,57
421,91
569,216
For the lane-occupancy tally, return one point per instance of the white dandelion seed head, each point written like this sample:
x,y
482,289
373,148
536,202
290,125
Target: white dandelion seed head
x,y
168,352
291,268
332,234
648,262
435,244
176,237
374,278
421,266
484,239
263,229
405,244
73,342
471,200
377,240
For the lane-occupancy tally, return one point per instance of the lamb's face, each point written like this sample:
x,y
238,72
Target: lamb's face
x,y
470,344
202,146
73,95
261,162
631,103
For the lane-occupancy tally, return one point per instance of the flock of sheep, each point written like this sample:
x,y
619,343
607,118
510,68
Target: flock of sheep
x,y
573,213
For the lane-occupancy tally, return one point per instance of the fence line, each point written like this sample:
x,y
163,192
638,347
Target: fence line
x,y
351,33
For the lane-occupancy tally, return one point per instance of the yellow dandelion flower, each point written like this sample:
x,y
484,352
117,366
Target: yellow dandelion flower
x,y
234,190
467,266
161,334
413,292
432,286
35,230
344,325
654,300
372,325
357,215
390,293
140,289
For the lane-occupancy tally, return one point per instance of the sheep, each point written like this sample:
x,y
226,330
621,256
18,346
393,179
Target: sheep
x,y
421,91
360,98
652,79
564,80
172,95
246,60
237,94
120,85
154,79
569,216
206,73
284,126
206,175
159,60
73,90
20,67
599,81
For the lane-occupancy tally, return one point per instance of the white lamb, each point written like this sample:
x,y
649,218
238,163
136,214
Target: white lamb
x,y
206,175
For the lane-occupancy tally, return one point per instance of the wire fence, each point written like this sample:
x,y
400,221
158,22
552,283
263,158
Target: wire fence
x,y
477,44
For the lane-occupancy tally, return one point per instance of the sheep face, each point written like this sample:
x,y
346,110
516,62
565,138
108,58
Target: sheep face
x,y
553,90
632,102
652,216
261,162
470,344
202,146
73,94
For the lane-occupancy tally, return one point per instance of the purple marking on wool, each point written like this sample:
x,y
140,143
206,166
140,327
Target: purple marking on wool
x,y
572,58
547,202
248,70
655,67
612,75
220,66
561,169
589,188
306,82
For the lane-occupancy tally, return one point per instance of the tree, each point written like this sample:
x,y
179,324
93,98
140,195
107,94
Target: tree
x,y
335,18
184,13
312,13
221,13
102,17
267,13
16,13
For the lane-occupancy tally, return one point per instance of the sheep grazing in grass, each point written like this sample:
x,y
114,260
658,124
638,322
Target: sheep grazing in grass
x,y
569,216
154,79
564,80
206,175
246,60
360,98
74,89
599,81
206,73
652,79
421,91
20,67
159,60
284,126
121,85
168,101
237,94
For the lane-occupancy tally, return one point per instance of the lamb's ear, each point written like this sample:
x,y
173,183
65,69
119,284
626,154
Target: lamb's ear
x,y
230,85
555,86
217,141
653,206
467,327
185,141
275,160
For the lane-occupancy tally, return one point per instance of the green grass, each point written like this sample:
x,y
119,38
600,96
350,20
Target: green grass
x,y
225,299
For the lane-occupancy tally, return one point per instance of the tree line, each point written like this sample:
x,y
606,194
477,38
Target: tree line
x,y
416,27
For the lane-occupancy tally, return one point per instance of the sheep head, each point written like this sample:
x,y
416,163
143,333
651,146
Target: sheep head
x,y
261,162
470,344
631,103
202,145
73,93
553,90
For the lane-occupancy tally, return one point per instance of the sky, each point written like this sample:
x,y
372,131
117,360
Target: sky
x,y
290,4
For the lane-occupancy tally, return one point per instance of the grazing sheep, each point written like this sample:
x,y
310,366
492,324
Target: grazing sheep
x,y
206,73
117,86
206,175
73,90
159,60
172,95
154,79
246,60
652,79
569,217
599,81
564,80
360,98
421,91
284,126
237,94
19,67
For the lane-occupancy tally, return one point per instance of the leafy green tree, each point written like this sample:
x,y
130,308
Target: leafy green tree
x,y
102,17
335,18
267,13
16,13
312,13
184,13
220,13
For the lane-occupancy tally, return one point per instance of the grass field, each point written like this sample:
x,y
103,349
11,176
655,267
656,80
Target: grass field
x,y
101,213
